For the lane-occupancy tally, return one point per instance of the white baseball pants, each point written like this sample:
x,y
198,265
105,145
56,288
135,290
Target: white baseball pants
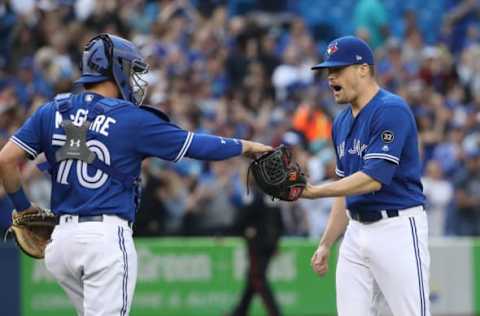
x,y
388,257
95,263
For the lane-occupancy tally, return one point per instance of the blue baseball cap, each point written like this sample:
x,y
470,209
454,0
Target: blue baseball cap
x,y
345,51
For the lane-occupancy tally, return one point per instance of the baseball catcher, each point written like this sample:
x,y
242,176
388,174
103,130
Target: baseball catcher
x,y
277,175
32,229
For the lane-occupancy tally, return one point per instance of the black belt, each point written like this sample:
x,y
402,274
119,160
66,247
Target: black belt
x,y
91,218
368,217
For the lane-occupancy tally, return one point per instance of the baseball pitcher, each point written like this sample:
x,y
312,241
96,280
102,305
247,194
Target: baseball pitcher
x,y
379,200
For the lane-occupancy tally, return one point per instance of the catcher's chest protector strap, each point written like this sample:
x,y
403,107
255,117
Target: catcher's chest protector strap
x,y
75,146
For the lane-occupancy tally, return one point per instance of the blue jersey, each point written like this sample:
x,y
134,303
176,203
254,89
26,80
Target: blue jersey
x,y
121,138
381,141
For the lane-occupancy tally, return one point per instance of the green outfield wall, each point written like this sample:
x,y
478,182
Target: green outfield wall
x,y
476,268
204,277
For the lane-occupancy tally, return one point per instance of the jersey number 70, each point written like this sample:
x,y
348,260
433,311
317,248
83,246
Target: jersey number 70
x,y
94,181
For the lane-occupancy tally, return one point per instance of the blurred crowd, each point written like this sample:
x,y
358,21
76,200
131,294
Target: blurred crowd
x,y
242,69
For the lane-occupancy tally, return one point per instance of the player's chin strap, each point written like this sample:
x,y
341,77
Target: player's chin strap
x,y
75,146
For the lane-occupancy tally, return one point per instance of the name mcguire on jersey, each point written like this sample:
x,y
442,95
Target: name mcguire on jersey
x,y
100,125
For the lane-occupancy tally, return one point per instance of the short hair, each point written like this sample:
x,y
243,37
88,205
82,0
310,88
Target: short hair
x,y
372,70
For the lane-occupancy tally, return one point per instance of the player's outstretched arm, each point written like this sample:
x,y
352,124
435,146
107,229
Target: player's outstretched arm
x,y
337,223
213,147
357,183
250,148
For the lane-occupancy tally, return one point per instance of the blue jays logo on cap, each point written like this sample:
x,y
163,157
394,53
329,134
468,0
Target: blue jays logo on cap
x,y
345,51
331,49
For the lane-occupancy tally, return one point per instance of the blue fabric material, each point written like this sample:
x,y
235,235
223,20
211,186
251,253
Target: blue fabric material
x,y
98,106
121,137
6,208
344,51
209,147
380,170
19,200
381,141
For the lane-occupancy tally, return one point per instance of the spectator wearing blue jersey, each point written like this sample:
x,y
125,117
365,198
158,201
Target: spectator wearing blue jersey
x,y
94,142
379,199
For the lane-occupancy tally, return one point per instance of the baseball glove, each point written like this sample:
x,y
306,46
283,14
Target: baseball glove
x,y
277,175
32,229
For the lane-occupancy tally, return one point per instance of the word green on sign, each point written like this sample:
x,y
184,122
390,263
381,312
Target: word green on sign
x,y
197,277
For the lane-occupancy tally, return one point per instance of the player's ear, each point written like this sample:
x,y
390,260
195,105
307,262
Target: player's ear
x,y
363,70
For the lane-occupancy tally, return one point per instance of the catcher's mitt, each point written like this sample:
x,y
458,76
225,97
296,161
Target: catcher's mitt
x,y
32,229
277,175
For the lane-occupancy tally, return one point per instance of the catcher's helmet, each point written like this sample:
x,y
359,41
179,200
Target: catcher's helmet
x,y
110,57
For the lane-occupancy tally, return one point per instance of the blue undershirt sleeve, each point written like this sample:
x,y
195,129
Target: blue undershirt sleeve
x,y
211,147
159,138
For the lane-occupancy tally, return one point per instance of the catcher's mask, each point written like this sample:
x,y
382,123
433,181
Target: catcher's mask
x,y
108,57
